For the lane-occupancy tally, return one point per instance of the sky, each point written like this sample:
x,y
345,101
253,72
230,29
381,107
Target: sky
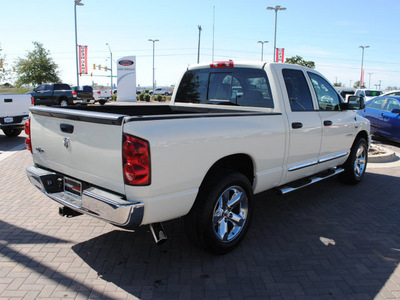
x,y
326,32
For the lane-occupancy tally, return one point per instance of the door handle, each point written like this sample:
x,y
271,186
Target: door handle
x,y
297,125
328,123
67,128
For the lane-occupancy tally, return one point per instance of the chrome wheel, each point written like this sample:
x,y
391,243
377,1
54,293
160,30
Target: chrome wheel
x,y
230,213
63,103
360,161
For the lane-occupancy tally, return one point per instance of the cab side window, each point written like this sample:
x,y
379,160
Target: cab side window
x,y
297,89
328,98
391,104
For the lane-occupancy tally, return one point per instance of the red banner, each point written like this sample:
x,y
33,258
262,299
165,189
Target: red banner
x,y
83,69
280,53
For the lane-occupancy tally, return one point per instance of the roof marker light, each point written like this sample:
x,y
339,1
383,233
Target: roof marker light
x,y
222,64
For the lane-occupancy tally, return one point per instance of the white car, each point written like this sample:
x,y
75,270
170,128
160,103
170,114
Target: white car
x,y
368,94
160,91
392,93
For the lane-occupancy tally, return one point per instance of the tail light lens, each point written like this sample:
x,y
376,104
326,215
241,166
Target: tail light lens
x,y
28,142
136,161
32,101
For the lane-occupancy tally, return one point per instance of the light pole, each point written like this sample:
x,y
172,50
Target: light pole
x,y
362,65
276,8
262,48
154,42
111,67
369,82
198,49
77,3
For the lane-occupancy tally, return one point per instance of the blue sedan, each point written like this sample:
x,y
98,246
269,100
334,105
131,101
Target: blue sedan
x,y
384,114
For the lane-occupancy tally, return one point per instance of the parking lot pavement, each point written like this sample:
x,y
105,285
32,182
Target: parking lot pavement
x,y
327,241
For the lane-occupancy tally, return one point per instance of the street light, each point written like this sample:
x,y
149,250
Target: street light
x,y
276,8
198,50
111,67
262,49
154,41
362,65
77,3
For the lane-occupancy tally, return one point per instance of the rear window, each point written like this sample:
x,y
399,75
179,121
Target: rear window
x,y
61,87
240,86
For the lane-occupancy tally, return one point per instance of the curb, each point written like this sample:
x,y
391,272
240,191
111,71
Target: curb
x,y
385,155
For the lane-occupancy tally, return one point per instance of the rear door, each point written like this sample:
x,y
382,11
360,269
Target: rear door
x,y
305,128
79,144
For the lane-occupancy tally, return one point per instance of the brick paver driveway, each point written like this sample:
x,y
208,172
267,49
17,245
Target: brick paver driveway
x,y
327,241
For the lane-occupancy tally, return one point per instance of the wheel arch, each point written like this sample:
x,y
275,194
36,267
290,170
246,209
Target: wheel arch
x,y
362,134
240,162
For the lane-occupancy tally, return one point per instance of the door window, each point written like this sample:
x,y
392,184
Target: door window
x,y
328,98
391,104
297,89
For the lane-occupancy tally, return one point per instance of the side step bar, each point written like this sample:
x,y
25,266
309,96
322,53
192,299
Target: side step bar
x,y
295,185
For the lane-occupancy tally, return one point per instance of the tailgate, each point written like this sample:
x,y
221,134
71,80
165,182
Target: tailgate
x,y
15,105
80,144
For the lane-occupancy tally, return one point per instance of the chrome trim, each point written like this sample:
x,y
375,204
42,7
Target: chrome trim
x,y
295,168
339,155
336,156
95,202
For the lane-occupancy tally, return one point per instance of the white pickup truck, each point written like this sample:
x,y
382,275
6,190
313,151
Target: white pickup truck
x,y
231,131
14,113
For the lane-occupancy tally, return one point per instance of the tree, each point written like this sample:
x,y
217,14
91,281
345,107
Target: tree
x,y
338,84
357,85
5,73
298,60
37,68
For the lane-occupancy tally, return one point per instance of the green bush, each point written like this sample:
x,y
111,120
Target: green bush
x,y
159,98
113,97
141,97
147,97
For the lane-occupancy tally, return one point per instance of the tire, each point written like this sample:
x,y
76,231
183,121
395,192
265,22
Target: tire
x,y
63,102
12,132
356,164
102,102
221,215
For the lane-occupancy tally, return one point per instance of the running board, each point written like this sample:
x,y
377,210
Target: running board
x,y
295,185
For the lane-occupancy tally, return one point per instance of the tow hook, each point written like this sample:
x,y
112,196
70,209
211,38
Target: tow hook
x,y
68,212
159,235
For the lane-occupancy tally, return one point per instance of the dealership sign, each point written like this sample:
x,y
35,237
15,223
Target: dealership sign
x,y
126,74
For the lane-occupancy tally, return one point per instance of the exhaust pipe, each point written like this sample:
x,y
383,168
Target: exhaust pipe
x,y
159,235
68,212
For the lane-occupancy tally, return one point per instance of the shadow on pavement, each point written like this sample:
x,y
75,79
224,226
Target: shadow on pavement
x,y
13,235
325,241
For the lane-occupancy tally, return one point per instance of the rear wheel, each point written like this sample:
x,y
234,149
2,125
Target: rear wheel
x,y
63,102
356,164
222,212
11,132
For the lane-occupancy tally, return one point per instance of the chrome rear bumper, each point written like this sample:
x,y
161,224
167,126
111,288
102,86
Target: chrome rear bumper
x,y
95,202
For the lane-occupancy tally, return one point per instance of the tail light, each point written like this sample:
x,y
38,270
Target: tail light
x,y
136,161
222,64
28,142
74,93
32,101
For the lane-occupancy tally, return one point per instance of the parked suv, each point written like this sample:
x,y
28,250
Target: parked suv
x,y
52,94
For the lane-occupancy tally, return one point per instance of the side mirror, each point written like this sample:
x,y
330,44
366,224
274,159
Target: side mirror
x,y
396,111
355,103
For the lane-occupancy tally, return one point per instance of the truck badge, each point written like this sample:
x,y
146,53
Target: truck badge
x,y
66,142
